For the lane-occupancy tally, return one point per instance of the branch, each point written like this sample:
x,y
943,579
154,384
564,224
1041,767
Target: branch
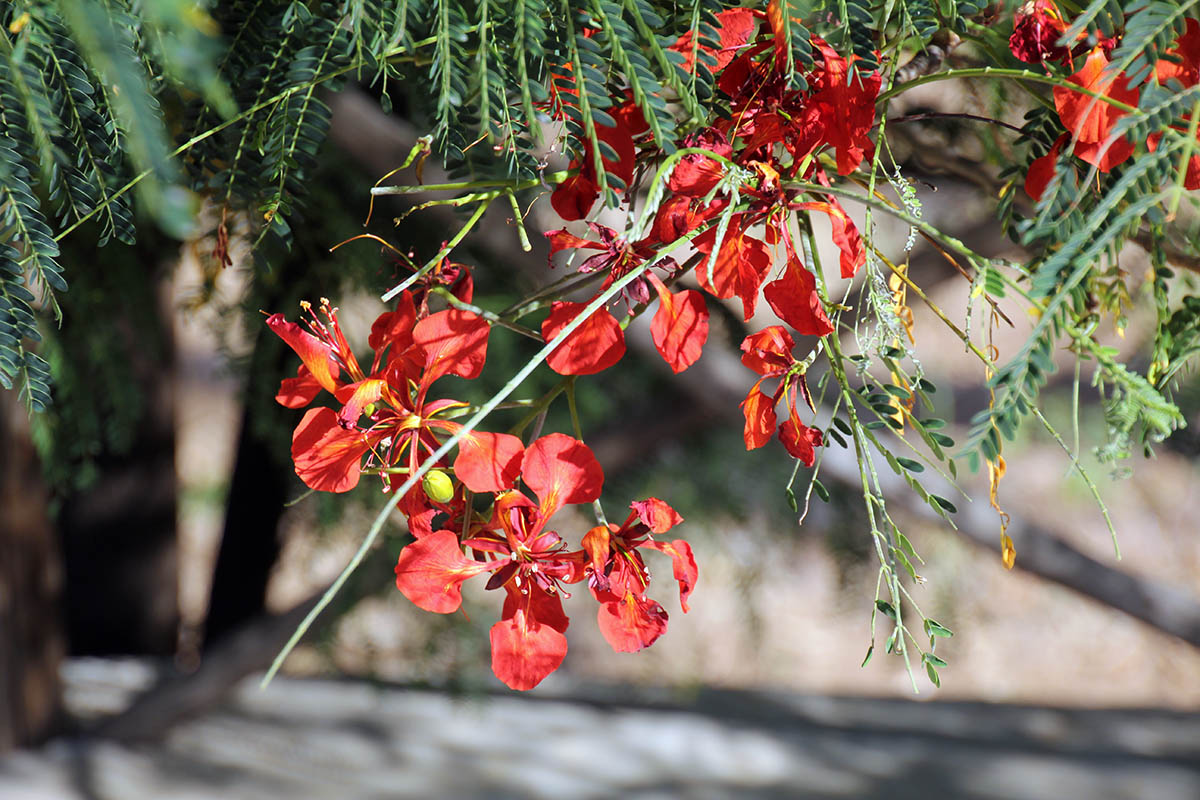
x,y
1175,255
184,695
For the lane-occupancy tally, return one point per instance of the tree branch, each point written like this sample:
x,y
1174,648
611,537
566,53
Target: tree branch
x,y
184,695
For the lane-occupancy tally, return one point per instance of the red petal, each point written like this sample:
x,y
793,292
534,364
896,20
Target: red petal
x,y
632,623
327,456
769,351
794,298
845,236
680,325
366,392
454,342
656,515
1090,120
799,439
420,523
759,409
1042,170
696,178
594,346
315,354
488,462
736,28
565,240
680,215
847,239
683,563
740,267
561,471
527,644
574,197
299,391
1187,49
1105,155
596,544
431,570
542,606
394,328
696,175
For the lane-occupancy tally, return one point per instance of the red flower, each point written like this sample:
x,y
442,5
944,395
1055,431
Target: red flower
x,y
844,107
679,329
618,578
530,562
769,353
1037,29
1090,120
1186,67
1186,70
402,424
617,257
326,356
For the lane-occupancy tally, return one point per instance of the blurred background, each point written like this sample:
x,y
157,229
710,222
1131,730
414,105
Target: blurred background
x,y
156,550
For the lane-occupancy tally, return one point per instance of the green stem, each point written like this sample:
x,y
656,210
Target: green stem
x,y
529,183
518,221
948,241
208,134
490,316
866,467
446,248
997,72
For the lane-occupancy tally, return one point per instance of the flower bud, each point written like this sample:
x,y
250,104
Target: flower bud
x,y
437,486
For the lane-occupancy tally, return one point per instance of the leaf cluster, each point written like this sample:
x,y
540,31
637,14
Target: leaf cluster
x,y
1080,225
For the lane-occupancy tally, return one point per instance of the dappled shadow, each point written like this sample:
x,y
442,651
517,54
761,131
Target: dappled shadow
x,y
344,739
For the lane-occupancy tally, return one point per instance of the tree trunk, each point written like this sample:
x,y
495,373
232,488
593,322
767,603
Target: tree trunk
x,y
262,478
31,635
118,533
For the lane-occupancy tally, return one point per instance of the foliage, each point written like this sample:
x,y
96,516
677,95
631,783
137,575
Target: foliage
x,y
718,131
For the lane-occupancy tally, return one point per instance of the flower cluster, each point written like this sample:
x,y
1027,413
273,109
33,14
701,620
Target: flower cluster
x,y
388,424
769,156
772,137
532,564
1089,118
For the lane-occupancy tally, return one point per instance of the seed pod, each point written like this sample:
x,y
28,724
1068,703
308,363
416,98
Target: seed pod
x,y
438,486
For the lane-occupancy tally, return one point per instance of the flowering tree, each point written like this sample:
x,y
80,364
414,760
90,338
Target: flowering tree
x,y
710,135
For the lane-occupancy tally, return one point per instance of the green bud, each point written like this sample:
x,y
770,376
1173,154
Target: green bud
x,y
438,486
